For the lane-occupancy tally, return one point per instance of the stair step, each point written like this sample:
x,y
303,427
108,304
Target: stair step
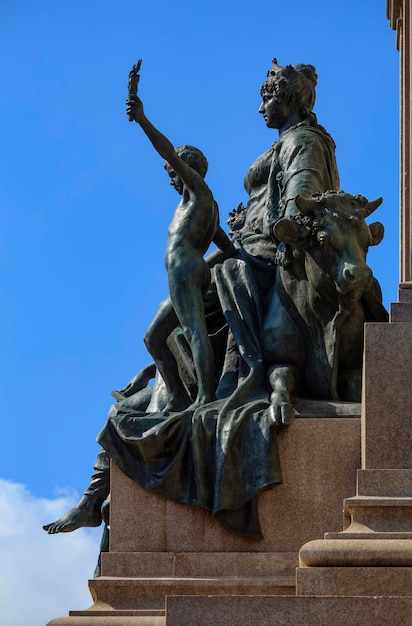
x,y
120,595
377,501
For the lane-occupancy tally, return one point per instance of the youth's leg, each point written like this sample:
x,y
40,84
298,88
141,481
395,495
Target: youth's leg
x,y
188,280
163,324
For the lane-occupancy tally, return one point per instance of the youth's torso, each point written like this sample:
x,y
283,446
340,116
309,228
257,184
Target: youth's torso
x,y
194,223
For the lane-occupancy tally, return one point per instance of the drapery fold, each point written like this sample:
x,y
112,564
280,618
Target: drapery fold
x,y
219,456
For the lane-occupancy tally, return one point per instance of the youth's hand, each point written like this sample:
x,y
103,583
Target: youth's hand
x,y
134,109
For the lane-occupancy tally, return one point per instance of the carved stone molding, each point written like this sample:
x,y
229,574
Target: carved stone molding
x,y
399,15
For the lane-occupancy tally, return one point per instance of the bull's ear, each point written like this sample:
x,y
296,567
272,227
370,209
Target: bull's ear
x,y
377,231
289,231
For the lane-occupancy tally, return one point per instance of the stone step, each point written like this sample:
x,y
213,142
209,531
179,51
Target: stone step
x,y
108,620
348,552
288,611
354,581
121,595
366,533
365,516
378,501
103,610
198,564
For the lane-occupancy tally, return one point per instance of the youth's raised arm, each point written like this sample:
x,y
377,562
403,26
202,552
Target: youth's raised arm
x,y
162,144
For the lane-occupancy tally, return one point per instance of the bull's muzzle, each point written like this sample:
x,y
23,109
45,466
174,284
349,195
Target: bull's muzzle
x,y
355,278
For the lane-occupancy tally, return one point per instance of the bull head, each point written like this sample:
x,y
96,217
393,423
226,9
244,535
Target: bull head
x,y
293,232
336,200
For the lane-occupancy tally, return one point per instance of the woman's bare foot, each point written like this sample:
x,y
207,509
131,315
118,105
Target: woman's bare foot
x,y
87,512
281,410
177,402
282,380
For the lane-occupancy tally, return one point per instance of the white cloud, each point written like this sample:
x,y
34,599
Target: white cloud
x,y
41,576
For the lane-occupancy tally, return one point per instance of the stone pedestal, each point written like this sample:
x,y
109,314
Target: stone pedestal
x,y
376,542
363,573
160,549
171,565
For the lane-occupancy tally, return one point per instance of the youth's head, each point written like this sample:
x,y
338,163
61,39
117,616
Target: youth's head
x,y
288,92
191,156
194,157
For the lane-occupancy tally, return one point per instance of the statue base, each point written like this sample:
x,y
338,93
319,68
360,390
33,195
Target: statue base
x,y
160,550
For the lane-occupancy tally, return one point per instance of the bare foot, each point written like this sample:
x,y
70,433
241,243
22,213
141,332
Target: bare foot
x,y
281,411
176,403
117,395
201,402
87,512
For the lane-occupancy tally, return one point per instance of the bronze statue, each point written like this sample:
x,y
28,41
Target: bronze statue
x,y
195,224
251,318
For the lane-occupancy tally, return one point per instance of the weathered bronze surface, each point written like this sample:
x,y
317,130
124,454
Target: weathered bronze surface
x,y
274,314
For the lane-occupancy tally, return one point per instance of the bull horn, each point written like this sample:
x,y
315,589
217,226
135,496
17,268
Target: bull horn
x,y
306,205
372,206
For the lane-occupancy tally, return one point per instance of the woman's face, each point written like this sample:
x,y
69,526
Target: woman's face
x,y
275,113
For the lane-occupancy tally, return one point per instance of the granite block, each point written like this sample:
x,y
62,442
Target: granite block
x,y
405,292
198,564
136,564
236,564
388,482
387,395
288,611
319,458
401,312
137,516
118,620
354,581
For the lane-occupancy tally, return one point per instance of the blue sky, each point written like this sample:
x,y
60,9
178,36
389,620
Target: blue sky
x,y
85,205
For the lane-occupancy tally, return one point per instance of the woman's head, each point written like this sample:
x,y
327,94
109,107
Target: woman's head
x,y
293,85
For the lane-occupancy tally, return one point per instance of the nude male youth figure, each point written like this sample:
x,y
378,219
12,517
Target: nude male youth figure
x,y
195,224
